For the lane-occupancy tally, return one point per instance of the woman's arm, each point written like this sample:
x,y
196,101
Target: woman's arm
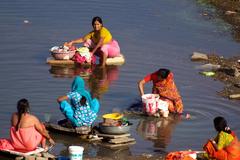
x,y
76,41
62,98
42,130
99,44
14,119
141,86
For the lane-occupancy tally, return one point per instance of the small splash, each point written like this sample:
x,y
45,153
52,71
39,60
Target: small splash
x,y
188,116
26,21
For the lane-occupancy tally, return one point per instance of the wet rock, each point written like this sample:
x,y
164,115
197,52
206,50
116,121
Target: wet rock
x,y
230,13
197,56
228,73
209,66
234,96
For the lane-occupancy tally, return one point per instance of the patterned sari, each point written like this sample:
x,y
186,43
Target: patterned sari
x,y
167,90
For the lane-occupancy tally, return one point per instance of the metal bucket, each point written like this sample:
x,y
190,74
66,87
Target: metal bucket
x,y
114,129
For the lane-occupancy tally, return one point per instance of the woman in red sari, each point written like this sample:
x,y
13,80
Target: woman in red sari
x,y
163,84
226,145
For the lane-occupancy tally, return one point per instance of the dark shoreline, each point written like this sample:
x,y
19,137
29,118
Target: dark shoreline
x,y
229,11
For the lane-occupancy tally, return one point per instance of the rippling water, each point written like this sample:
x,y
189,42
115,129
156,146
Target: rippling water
x,y
152,34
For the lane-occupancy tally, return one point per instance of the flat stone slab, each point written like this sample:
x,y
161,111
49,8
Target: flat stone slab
x,y
110,61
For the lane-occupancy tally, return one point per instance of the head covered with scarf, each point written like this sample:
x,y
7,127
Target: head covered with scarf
x,y
78,85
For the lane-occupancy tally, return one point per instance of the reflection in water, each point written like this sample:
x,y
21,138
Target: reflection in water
x,y
71,71
90,149
101,79
68,140
158,130
114,153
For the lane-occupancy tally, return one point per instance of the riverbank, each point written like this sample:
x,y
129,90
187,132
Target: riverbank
x,y
229,10
226,70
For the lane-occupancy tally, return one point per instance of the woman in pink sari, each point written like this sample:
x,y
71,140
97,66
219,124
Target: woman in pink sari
x,y
99,41
26,131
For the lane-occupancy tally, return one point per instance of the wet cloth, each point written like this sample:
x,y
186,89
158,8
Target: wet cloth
x,y
77,114
180,155
95,37
230,151
167,90
111,49
25,139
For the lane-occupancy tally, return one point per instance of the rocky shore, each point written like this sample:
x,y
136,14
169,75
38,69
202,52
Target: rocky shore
x,y
229,10
226,70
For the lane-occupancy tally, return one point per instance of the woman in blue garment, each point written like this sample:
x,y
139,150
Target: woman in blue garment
x,y
82,109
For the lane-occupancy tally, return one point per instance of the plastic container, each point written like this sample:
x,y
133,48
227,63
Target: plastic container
x,y
62,53
75,152
163,107
150,103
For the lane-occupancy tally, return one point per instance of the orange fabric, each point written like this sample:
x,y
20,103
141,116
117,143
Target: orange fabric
x,y
25,139
231,152
167,91
179,155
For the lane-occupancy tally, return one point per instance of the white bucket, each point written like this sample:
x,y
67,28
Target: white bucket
x,y
75,152
162,105
150,103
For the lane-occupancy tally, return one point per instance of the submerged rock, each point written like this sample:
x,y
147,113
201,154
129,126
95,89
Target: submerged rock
x,y
226,71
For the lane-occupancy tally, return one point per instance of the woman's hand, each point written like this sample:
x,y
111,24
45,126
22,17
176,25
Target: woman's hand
x,y
62,98
68,44
91,53
51,141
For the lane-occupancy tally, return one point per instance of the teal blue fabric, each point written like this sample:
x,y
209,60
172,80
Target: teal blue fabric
x,y
68,111
78,85
77,91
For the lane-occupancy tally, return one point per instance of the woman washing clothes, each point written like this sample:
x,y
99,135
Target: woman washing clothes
x,y
163,84
225,146
26,131
99,41
82,109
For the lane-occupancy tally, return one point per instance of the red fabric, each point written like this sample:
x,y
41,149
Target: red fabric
x,y
6,144
167,91
231,152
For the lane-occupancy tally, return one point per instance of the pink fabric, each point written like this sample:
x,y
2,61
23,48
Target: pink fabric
x,y
111,49
25,139
6,144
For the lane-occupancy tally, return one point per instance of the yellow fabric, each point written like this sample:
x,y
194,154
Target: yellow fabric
x,y
223,140
95,37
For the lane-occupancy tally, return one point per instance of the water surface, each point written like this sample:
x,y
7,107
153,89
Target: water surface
x,y
152,34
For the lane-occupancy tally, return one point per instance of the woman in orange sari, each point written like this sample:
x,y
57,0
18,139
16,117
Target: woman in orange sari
x,y
226,145
163,84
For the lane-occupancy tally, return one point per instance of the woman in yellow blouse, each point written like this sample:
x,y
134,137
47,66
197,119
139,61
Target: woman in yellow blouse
x,y
226,145
99,41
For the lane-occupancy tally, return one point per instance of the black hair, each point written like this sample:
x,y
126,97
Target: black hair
x,y
163,73
22,107
83,101
96,19
220,124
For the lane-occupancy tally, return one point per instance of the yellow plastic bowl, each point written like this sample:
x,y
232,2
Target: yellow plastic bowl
x,y
113,116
